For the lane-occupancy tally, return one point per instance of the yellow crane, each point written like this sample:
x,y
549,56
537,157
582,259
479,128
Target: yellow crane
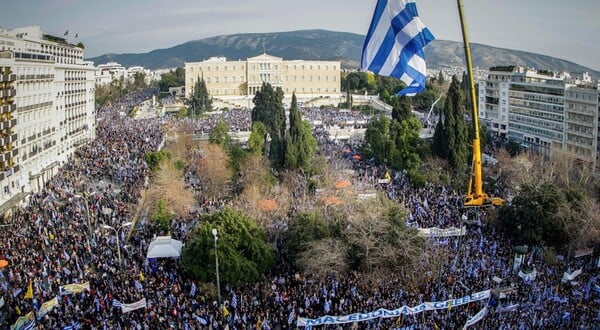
x,y
475,196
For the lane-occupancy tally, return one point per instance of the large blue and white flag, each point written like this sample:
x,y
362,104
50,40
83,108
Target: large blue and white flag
x,y
394,44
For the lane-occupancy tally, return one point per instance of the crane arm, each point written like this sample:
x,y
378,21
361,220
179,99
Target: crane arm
x,y
475,196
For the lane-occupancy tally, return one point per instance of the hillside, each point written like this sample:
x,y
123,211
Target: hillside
x,y
327,45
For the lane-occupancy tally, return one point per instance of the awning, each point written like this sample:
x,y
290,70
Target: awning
x,y
164,247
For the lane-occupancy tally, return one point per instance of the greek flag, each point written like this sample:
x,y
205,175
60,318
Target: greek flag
x,y
193,289
234,302
116,303
394,44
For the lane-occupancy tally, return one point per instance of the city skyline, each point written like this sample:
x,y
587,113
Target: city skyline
x,y
123,27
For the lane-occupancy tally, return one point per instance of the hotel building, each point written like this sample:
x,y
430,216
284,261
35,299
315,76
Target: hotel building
x,y
47,109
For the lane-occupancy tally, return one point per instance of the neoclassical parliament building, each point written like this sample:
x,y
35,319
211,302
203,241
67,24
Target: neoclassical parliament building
x,y
238,81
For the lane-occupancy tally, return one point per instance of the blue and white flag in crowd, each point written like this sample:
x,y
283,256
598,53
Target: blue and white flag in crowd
x,y
116,303
394,44
476,318
200,320
193,289
234,302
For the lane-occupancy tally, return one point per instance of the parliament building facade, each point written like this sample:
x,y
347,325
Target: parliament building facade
x,y
242,79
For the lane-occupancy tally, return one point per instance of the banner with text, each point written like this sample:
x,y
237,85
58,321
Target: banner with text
x,y
47,307
74,288
439,232
125,308
385,313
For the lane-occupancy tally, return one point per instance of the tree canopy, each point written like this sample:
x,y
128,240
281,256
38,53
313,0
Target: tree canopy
x,y
244,254
450,140
200,100
268,109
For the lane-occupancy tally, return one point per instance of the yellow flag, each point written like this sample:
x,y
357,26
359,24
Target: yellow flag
x,y
141,277
29,294
51,236
225,312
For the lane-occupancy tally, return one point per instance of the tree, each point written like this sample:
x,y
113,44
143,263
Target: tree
x,y
256,141
161,216
219,134
212,169
401,108
331,261
183,112
173,78
377,142
451,134
268,109
244,254
200,99
139,81
407,141
379,238
532,217
154,159
300,144
303,229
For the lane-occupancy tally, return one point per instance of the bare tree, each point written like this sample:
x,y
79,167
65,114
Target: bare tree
x,y
213,170
169,185
379,233
325,257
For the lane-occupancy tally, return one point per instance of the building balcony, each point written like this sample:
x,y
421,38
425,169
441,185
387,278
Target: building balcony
x,y
8,92
8,155
6,108
8,124
8,77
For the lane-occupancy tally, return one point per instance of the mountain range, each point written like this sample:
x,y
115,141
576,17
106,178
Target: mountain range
x,y
330,45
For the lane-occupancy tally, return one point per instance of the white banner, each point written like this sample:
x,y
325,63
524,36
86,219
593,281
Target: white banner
x,y
569,277
439,232
133,306
528,277
385,313
476,318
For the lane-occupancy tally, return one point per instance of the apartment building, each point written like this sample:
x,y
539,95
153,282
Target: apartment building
x,y
243,78
47,108
542,110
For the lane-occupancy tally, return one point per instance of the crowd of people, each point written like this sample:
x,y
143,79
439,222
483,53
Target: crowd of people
x,y
69,233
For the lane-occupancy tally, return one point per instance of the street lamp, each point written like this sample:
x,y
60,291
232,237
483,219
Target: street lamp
x,y
126,224
214,233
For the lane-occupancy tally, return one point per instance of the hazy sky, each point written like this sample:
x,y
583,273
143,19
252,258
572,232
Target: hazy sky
x,y
566,29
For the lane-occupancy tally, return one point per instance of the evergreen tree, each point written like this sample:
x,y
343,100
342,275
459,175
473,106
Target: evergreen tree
x,y
268,109
402,108
300,144
450,140
438,145
200,101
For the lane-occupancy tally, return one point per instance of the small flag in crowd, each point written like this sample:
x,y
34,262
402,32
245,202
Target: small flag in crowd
x,y
394,44
234,301
116,303
193,289
29,293
292,316
200,320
